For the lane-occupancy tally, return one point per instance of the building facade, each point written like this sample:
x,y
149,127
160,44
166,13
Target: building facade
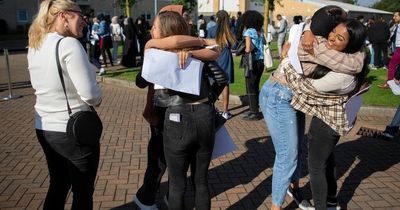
x,y
18,14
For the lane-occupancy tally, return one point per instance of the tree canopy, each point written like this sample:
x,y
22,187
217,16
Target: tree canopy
x,y
189,5
388,5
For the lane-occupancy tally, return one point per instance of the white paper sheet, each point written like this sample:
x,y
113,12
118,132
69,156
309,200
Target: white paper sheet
x,y
292,53
162,68
353,105
223,143
394,87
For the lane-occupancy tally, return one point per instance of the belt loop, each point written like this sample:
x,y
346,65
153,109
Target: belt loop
x,y
192,108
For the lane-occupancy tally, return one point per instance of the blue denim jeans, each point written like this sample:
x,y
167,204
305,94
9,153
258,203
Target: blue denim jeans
x,y
188,139
286,127
393,127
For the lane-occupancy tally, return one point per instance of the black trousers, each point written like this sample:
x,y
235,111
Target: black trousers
x,y
156,164
71,166
322,140
105,47
253,85
189,135
380,54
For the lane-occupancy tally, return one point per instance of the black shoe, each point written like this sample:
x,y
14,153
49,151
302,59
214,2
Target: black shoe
x,y
387,136
298,198
332,204
252,117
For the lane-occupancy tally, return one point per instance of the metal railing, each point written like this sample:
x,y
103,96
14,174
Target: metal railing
x,y
10,94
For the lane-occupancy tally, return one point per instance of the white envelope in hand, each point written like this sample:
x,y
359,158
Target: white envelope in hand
x,y
162,68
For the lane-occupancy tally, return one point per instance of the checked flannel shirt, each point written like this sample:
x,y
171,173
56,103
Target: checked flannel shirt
x,y
329,108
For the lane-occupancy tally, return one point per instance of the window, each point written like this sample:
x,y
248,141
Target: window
x,y
22,16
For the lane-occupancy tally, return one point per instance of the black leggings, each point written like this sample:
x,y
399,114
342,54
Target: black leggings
x,y
253,85
322,140
105,47
156,164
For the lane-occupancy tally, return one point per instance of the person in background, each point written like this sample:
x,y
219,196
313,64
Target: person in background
x,y
254,64
192,28
370,21
116,37
281,32
296,20
233,25
393,128
142,36
211,23
203,30
200,21
225,39
378,36
105,39
84,40
395,60
70,164
239,26
131,48
95,42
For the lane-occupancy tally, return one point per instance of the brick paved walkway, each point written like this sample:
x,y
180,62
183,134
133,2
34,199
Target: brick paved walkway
x,y
368,169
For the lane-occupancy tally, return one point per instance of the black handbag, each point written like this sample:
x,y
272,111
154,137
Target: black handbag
x,y
84,127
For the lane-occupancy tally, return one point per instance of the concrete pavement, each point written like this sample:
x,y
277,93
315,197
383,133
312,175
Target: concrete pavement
x,y
368,168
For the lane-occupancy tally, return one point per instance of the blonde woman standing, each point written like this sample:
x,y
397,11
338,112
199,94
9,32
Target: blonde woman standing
x,y
116,37
71,165
225,39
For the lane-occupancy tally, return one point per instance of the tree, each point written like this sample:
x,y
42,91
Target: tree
x,y
267,7
126,6
189,5
271,3
355,2
388,5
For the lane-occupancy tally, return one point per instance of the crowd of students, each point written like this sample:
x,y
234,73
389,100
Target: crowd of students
x,y
183,125
102,33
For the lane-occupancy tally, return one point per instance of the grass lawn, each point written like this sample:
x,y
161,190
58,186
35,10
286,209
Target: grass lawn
x,y
374,97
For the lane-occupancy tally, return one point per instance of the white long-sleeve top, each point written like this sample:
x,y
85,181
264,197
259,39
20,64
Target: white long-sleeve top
x,y
51,111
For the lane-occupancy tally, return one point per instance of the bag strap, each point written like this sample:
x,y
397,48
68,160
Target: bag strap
x,y
61,76
62,79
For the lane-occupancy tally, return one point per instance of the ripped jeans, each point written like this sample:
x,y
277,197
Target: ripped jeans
x,y
286,127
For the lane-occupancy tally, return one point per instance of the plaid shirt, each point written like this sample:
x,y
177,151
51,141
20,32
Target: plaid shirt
x,y
338,61
329,108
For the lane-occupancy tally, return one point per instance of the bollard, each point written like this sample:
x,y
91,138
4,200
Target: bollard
x,y
10,95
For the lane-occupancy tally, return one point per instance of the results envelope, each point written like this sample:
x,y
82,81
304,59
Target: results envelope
x,y
162,68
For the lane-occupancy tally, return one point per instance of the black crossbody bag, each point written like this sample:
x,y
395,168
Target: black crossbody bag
x,y
85,127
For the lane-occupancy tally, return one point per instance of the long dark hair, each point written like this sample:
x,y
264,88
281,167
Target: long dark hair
x,y
224,36
252,19
326,19
357,36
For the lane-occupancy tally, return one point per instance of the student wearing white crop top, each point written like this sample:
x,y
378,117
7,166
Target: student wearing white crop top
x,y
71,166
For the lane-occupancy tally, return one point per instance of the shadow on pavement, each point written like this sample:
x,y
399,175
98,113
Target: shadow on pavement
x,y
372,155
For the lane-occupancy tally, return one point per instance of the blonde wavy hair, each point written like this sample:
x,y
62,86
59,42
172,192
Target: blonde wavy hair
x,y
45,19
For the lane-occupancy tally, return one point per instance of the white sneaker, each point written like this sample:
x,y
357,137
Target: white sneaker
x,y
142,206
226,115
102,71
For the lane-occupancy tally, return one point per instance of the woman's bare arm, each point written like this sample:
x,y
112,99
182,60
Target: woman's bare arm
x,y
175,42
248,45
